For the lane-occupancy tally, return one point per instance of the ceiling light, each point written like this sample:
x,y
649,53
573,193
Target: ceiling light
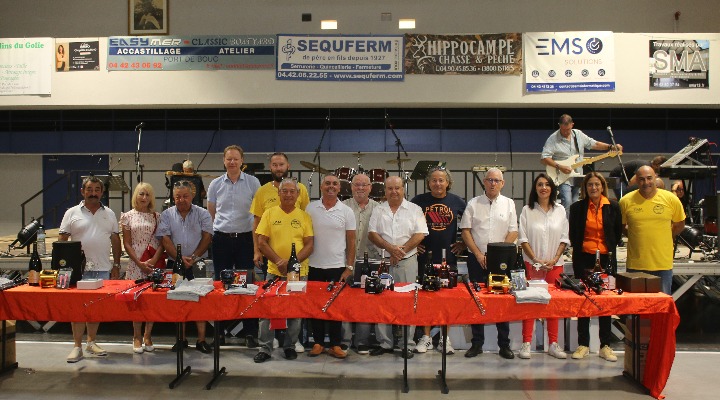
x,y
328,24
407,23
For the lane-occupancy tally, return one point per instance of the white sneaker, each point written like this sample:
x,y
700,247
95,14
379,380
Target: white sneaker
x,y
581,352
276,344
606,353
525,351
299,348
75,355
423,344
94,349
556,352
448,347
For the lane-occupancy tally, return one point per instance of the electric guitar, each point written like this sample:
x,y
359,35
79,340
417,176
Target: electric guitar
x,y
559,177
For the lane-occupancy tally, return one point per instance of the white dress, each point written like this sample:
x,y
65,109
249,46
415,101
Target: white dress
x,y
142,229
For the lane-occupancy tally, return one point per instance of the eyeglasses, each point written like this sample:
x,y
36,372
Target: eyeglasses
x,y
493,181
182,183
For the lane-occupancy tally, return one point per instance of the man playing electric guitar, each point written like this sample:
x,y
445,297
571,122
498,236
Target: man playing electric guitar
x,y
563,144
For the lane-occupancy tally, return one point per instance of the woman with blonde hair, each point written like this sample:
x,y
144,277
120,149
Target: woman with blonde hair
x,y
138,230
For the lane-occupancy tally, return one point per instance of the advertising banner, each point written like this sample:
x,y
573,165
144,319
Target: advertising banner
x,y
498,53
340,58
77,56
183,53
569,61
679,64
24,65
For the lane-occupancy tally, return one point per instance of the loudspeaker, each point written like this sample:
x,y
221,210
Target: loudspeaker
x,y
69,254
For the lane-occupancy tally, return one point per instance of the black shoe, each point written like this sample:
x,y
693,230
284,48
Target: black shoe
x,y
407,354
261,357
251,342
175,347
290,354
203,347
506,353
378,351
473,351
362,349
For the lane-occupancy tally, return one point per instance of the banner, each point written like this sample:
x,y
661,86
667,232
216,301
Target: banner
x,y
77,56
679,64
183,53
569,61
24,65
499,53
340,58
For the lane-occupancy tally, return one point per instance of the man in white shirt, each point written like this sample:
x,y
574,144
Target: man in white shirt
x,y
397,226
488,218
333,256
96,227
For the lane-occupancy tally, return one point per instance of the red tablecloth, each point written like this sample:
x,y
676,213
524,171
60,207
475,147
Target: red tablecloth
x,y
445,307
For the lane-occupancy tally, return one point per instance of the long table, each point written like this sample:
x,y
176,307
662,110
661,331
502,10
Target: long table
x,y
444,307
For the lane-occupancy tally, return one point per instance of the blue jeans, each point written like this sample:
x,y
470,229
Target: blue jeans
x,y
567,195
266,335
664,275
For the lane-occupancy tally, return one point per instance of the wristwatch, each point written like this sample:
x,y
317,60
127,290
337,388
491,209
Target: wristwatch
x,y
351,267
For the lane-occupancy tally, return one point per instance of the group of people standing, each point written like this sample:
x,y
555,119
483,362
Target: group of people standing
x,y
249,226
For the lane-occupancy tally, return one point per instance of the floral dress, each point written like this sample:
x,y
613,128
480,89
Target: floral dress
x,y
142,227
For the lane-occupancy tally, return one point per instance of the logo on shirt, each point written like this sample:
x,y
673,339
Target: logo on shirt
x,y
277,222
439,217
659,209
295,224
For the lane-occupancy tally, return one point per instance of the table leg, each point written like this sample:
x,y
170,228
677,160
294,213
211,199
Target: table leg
x,y
4,344
406,387
442,373
217,371
181,370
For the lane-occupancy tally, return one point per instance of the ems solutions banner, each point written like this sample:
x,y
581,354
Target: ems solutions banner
x,y
679,64
569,61
182,53
340,58
495,53
25,65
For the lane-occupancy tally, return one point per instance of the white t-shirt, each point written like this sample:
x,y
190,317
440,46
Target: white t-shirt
x,y
398,228
93,231
329,227
489,222
543,231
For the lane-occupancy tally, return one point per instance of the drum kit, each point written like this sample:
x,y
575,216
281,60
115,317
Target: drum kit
x,y
346,174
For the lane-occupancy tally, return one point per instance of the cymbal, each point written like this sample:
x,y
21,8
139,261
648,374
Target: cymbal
x,y
402,160
315,167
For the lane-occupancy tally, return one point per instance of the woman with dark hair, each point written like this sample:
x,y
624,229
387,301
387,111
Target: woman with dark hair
x,y
543,236
595,224
60,58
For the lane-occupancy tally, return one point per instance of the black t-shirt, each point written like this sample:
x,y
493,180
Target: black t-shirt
x,y
442,216
630,168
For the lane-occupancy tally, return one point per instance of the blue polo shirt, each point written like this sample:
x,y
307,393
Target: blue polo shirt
x,y
232,202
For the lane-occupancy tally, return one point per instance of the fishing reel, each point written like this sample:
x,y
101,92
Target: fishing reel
x,y
431,283
374,285
227,277
158,279
594,282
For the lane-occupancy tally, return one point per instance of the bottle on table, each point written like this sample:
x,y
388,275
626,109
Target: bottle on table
x,y
179,268
444,270
34,267
364,270
293,267
42,246
609,276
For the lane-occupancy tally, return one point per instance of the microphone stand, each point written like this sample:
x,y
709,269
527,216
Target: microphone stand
x,y
316,159
138,167
399,146
622,166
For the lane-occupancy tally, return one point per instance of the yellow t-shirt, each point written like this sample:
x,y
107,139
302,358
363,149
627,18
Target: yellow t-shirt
x,y
650,241
282,230
267,196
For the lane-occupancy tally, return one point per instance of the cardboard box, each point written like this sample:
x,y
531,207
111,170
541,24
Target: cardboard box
x,y
9,355
89,284
638,282
296,286
642,345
